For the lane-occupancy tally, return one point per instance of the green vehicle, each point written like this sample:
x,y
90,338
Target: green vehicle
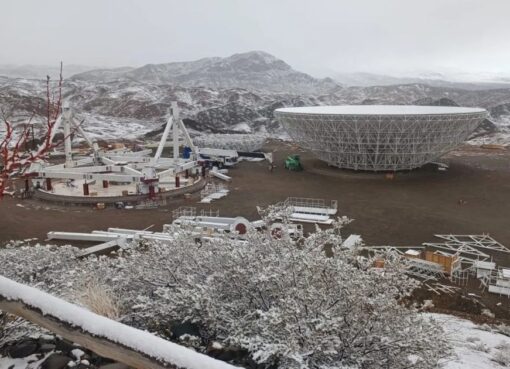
x,y
293,162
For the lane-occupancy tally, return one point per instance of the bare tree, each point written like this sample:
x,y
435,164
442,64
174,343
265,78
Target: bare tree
x,y
14,156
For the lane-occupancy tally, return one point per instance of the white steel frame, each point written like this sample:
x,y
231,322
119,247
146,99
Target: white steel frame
x,y
483,241
119,165
386,142
467,246
319,204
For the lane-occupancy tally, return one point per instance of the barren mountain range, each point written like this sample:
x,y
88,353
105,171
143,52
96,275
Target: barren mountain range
x,y
234,94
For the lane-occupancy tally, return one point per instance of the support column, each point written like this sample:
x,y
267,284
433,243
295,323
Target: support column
x,y
186,173
85,189
66,120
203,170
177,182
105,184
152,193
175,132
27,185
48,184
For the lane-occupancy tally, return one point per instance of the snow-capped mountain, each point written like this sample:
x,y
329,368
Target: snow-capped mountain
x,y
465,82
40,71
255,70
115,104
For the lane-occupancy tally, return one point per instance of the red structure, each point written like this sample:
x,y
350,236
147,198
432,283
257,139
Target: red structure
x,y
85,189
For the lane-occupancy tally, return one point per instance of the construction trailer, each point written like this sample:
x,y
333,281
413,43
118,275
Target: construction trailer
x,y
139,172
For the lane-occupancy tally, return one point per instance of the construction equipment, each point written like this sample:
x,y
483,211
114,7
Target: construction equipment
x,y
293,162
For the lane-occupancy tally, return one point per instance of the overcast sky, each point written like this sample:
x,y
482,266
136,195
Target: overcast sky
x,y
316,36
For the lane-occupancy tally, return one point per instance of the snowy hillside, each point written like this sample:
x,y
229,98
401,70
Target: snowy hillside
x,y
39,71
255,70
228,95
451,80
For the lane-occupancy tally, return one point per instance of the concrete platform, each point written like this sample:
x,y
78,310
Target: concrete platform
x,y
96,189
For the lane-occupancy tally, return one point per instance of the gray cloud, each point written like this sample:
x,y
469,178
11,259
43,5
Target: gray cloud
x,y
319,37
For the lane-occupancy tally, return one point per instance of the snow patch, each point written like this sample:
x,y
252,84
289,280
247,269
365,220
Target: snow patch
x,y
103,327
474,347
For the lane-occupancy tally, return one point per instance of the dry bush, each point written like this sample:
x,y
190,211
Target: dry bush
x,y
101,300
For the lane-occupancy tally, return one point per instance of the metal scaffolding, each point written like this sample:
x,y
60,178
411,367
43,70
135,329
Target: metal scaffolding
x,y
483,241
467,247
379,138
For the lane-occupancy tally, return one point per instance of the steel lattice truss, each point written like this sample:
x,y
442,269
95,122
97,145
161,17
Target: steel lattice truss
x,y
467,247
482,241
379,142
238,142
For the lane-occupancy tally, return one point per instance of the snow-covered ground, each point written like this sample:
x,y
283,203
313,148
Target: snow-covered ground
x,y
501,137
114,128
96,325
29,362
475,347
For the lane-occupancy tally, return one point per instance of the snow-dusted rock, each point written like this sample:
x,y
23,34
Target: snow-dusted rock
x,y
23,349
55,361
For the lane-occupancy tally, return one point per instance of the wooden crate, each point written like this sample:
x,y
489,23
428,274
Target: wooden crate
x,y
449,263
379,263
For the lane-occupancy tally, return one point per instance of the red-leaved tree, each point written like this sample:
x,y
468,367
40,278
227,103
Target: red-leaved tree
x,y
14,156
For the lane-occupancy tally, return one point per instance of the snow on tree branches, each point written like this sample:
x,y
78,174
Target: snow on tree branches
x,y
286,303
15,156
